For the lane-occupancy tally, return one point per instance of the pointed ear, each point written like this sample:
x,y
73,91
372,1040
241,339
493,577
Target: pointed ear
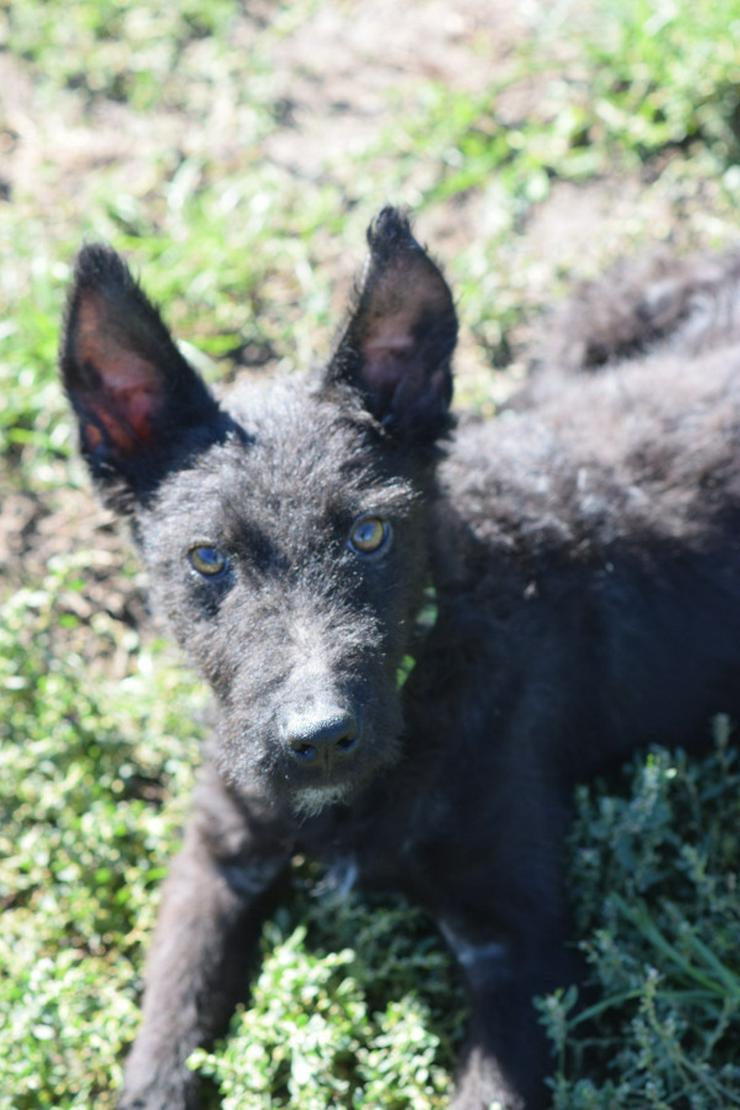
x,y
397,345
134,395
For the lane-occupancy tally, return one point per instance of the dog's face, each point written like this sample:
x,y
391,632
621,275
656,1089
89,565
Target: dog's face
x,y
289,560
285,529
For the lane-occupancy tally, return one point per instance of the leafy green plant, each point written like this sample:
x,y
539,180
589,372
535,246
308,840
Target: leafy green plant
x,y
355,1005
656,876
83,839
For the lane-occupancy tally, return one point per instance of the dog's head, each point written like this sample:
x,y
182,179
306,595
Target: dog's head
x,y
284,529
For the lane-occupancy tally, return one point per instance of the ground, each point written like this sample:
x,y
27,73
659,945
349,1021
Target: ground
x,y
235,152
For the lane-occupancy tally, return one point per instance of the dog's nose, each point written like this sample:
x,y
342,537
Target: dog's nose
x,y
322,738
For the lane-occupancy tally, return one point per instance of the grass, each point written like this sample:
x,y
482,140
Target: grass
x,y
174,111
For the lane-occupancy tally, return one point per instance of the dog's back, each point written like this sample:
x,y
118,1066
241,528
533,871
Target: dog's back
x,y
688,305
593,534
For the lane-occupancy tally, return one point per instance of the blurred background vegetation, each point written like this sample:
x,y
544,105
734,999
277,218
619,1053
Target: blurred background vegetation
x,y
235,152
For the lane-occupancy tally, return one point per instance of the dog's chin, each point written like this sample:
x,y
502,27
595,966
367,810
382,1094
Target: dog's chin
x,y
313,800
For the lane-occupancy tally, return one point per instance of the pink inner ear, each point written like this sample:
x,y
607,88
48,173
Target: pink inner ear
x,y
130,391
389,340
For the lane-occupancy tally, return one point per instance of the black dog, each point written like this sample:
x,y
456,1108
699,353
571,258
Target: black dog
x,y
585,551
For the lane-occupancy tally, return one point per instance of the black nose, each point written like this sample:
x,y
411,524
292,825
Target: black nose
x,y
323,738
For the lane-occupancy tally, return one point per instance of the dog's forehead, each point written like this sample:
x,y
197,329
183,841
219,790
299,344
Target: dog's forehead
x,y
293,456
294,441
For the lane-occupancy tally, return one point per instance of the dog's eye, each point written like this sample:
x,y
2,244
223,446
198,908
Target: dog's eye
x,y
208,561
369,535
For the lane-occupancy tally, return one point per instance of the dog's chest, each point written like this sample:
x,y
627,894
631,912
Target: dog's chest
x,y
382,847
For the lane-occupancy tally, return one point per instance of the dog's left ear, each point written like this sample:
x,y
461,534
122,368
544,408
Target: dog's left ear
x,y
398,343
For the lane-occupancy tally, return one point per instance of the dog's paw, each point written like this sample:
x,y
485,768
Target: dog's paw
x,y
175,1091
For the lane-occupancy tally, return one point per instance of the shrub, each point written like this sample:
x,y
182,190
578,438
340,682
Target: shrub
x,y
658,902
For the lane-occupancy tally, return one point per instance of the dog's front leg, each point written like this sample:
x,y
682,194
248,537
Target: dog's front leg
x,y
506,1058
212,908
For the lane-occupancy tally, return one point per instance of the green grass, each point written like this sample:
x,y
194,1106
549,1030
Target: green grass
x,y
99,725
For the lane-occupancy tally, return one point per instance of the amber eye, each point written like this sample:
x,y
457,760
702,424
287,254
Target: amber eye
x,y
208,561
369,535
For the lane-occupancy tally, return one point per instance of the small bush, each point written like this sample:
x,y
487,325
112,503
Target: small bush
x,y
85,766
658,901
356,1005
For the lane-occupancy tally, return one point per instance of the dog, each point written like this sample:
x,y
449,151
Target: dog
x,y
584,550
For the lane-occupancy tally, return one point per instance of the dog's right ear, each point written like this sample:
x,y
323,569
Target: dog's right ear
x,y
134,395
397,346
